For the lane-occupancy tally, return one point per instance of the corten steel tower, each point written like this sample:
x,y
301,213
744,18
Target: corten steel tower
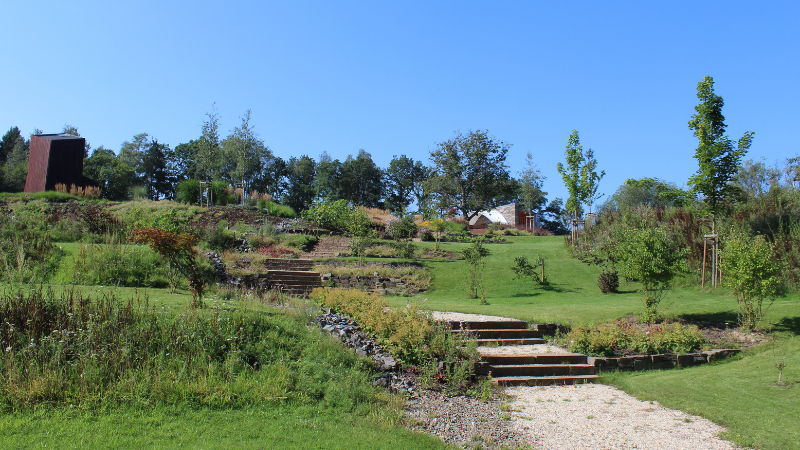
x,y
56,159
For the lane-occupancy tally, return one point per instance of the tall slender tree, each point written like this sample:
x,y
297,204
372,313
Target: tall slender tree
x,y
718,156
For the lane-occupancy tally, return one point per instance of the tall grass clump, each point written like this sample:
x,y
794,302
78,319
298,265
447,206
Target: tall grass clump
x,y
72,349
117,263
27,252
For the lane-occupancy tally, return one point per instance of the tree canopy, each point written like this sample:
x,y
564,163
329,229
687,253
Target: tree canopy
x,y
470,173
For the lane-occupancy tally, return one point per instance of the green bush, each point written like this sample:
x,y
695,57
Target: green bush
x,y
753,273
604,340
275,209
220,238
330,215
300,241
651,257
188,191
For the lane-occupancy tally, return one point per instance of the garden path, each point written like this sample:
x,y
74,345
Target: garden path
x,y
593,415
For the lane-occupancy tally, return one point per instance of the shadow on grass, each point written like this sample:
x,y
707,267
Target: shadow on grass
x,y
791,324
527,294
552,287
716,317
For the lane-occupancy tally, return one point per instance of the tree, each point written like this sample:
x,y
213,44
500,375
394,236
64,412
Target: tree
x,y
8,142
403,182
15,169
755,179
300,174
470,174
361,181
185,160
158,176
133,153
579,176
209,155
114,176
590,180
326,182
273,178
243,153
717,155
531,181
652,257
646,192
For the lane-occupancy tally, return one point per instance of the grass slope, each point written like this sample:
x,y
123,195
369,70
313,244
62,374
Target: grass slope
x,y
741,393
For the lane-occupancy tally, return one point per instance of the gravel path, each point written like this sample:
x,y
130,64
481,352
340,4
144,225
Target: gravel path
x,y
589,416
595,416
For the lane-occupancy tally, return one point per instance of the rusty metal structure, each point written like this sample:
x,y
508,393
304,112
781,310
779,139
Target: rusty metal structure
x,y
56,159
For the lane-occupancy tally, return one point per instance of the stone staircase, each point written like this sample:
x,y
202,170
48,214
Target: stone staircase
x,y
329,247
292,276
524,366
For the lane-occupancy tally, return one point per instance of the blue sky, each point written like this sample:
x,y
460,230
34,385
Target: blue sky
x,y
397,77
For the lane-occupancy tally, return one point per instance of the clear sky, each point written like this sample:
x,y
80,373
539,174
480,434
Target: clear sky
x,y
397,77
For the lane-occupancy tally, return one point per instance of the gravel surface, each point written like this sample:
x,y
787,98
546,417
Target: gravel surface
x,y
465,421
602,417
462,317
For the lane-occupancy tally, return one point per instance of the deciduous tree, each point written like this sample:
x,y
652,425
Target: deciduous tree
x,y
717,155
403,182
470,173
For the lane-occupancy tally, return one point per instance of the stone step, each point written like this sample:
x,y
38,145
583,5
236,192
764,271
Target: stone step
x,y
492,324
501,333
541,358
521,341
288,264
542,370
293,275
544,381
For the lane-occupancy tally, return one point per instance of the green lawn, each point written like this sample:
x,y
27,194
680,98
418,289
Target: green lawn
x,y
740,394
278,427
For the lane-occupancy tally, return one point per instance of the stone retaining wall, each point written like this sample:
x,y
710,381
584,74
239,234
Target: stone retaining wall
x,y
661,361
375,284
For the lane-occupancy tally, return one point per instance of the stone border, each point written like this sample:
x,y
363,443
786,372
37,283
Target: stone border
x,y
660,361
375,284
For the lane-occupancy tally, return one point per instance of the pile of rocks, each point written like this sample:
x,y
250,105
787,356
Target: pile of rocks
x,y
349,332
219,267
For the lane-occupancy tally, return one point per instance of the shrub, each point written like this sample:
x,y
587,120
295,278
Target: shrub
x,y
178,250
188,191
604,340
220,238
275,209
404,228
753,273
406,332
330,215
608,282
652,258
302,242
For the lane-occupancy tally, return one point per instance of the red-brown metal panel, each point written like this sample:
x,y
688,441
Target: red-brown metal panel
x,y
55,159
